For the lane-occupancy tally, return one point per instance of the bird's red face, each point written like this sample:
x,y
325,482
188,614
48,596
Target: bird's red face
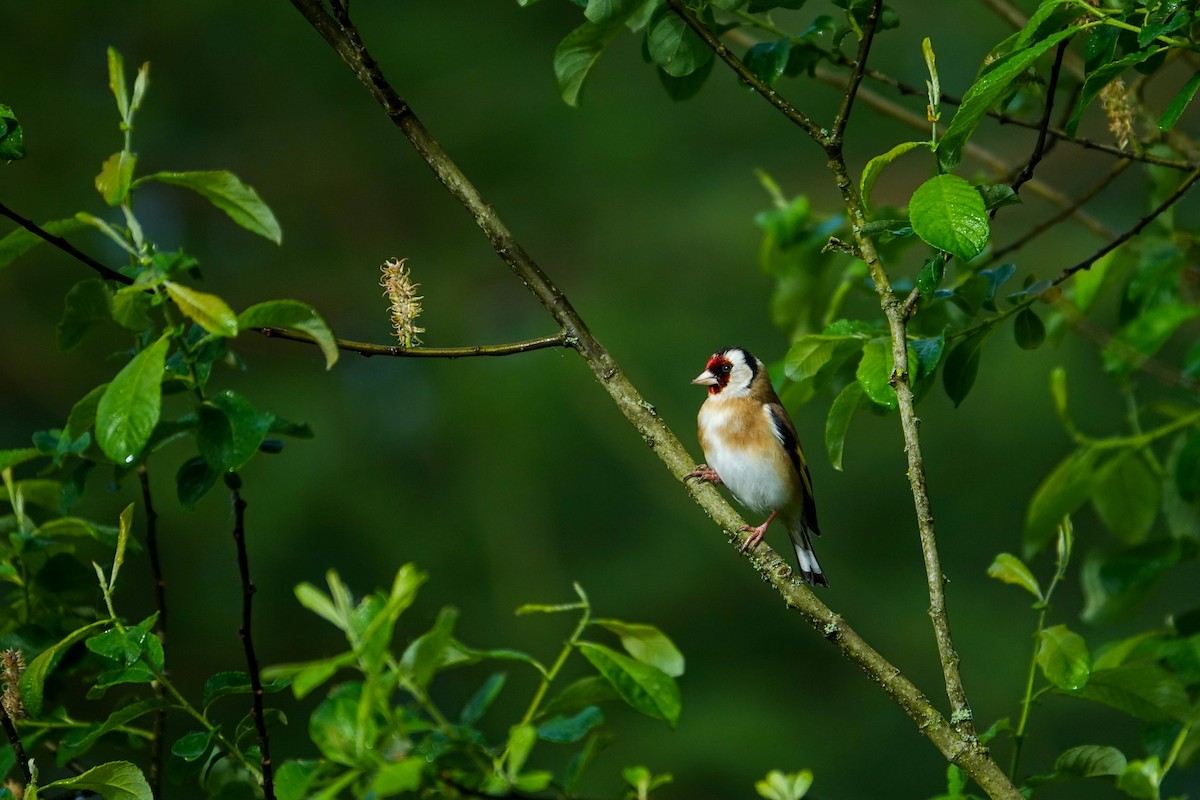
x,y
716,373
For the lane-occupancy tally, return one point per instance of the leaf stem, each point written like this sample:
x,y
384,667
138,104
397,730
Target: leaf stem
x,y
534,704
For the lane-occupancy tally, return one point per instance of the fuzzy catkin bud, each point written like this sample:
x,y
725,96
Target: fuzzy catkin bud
x,y
12,664
405,302
1117,107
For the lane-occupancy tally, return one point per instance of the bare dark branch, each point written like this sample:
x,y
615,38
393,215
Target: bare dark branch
x,y
559,339
244,632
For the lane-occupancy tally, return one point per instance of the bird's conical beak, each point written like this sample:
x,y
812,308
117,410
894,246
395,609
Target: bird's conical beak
x,y
706,378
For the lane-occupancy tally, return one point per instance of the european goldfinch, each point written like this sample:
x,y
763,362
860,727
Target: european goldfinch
x,y
750,445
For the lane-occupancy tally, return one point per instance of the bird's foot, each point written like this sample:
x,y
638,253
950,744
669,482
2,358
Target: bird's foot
x,y
705,473
757,532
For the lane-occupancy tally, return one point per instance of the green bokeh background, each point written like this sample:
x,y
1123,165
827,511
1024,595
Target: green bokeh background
x,y
507,479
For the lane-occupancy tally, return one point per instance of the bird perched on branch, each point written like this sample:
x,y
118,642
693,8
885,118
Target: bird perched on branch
x,y
750,445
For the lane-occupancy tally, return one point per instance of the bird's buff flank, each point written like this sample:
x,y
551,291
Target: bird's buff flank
x,y
750,445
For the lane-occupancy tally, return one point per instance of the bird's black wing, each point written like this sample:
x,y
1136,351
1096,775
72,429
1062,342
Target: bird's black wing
x,y
786,433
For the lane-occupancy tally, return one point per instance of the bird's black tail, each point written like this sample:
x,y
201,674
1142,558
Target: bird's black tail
x,y
810,568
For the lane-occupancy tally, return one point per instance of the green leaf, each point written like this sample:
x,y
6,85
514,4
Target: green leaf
x,y
33,678
11,458
482,700
875,167
130,406
226,192
87,303
998,195
928,353
521,739
206,310
116,176
131,308
1090,761
567,730
319,603
813,359
1143,690
930,276
688,86
335,727
768,60
577,53
1088,281
987,90
1065,489
1116,583
588,691
1028,329
424,656
778,786
1010,569
1127,496
962,366
225,684
230,431
193,480
1140,779
838,423
647,644
1179,103
192,746
79,742
12,137
1144,336
398,777
292,315
116,780
645,688
116,82
606,10
874,373
22,241
294,779
140,84
1064,658
949,214
674,46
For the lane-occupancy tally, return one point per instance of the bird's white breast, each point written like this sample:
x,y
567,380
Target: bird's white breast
x,y
743,458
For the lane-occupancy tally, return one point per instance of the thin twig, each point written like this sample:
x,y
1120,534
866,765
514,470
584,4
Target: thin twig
x,y
1173,198
62,244
1056,133
1039,147
1048,223
14,739
559,339
958,749
856,75
815,131
244,632
157,753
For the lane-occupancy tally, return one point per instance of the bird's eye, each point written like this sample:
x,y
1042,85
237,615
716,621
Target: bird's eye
x,y
726,367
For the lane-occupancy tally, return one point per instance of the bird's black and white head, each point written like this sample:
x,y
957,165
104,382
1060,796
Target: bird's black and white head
x,y
729,372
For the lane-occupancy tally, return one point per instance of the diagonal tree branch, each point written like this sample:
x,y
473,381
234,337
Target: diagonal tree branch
x,y
896,312
957,745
